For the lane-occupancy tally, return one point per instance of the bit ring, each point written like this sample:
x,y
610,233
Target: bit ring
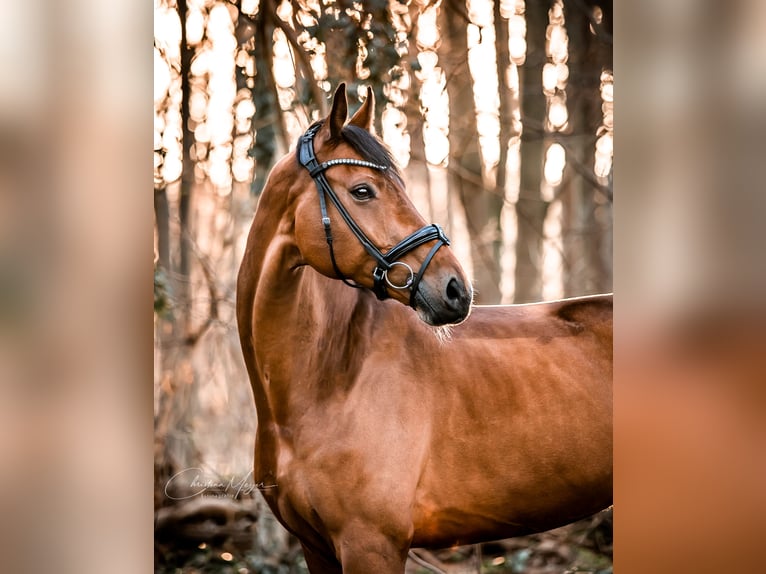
x,y
409,280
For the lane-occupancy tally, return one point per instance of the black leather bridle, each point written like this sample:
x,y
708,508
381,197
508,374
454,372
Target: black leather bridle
x,y
385,261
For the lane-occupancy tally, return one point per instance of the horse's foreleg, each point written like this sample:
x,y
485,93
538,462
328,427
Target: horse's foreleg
x,y
363,552
320,564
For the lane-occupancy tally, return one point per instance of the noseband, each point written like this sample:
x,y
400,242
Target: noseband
x,y
385,261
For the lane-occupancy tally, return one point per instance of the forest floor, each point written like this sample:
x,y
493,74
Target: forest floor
x,y
226,536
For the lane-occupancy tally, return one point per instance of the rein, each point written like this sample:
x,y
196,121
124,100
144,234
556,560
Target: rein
x,y
385,261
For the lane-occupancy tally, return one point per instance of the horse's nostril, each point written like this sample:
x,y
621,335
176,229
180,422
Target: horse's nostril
x,y
454,290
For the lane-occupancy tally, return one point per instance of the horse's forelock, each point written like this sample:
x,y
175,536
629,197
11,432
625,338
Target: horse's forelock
x,y
369,147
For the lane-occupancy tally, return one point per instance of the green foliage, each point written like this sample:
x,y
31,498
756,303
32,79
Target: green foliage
x,y
162,299
16,296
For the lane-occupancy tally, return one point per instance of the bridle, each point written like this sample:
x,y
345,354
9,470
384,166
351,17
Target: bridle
x,y
385,261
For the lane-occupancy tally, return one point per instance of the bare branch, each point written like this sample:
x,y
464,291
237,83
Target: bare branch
x,y
292,39
586,173
300,53
582,170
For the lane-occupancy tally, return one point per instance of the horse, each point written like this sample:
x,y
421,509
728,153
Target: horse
x,y
392,412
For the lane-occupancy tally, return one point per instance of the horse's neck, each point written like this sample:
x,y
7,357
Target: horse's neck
x,y
310,333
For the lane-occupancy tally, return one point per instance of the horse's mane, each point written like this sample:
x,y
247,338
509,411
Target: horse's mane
x,y
369,147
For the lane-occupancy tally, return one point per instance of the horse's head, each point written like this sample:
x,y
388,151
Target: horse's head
x,y
354,221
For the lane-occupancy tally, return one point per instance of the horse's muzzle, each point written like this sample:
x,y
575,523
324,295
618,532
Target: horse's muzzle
x,y
446,302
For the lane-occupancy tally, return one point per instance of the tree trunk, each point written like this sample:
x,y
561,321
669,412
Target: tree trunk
x,y
602,48
174,448
162,221
465,162
341,53
585,267
505,112
416,175
530,207
182,284
505,99
268,121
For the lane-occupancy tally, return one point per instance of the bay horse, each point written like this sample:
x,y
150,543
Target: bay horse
x,y
377,429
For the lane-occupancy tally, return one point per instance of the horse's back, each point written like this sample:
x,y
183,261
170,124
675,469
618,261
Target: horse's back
x,y
592,309
593,312
562,318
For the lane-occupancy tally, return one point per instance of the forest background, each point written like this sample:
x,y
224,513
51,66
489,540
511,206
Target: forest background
x,y
500,113
76,245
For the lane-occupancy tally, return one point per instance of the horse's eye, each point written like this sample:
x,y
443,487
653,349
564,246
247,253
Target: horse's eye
x,y
362,193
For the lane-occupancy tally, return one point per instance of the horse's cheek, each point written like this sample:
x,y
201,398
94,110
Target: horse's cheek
x,y
311,243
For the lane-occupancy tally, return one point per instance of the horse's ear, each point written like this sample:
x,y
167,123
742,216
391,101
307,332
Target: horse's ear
x,y
365,115
339,112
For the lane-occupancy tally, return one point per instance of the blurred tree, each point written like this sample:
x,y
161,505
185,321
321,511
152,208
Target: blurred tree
x,y
361,43
416,175
530,207
586,239
162,222
174,450
505,99
199,235
183,271
268,120
176,331
465,161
